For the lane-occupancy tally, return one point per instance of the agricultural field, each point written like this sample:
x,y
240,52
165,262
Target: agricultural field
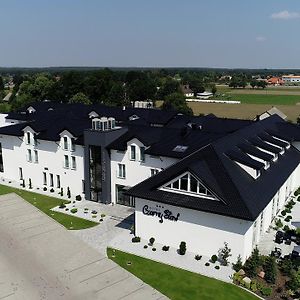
x,y
242,111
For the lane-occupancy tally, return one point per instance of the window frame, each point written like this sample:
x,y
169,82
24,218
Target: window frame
x,y
66,162
133,153
121,171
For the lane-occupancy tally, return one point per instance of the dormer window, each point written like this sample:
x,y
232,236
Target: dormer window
x,y
27,138
188,184
72,145
103,124
65,143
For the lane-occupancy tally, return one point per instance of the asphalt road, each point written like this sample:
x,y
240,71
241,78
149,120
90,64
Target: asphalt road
x,y
40,259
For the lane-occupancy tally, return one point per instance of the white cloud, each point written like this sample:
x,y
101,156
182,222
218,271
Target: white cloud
x,y
260,38
285,15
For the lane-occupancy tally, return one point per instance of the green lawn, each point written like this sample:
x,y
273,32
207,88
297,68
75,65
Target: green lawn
x,y
265,99
178,284
45,203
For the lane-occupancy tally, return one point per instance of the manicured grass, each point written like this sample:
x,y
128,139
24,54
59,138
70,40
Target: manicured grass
x,y
178,284
45,203
266,99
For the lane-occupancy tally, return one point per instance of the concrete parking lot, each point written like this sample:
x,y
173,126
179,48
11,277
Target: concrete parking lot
x,y
40,259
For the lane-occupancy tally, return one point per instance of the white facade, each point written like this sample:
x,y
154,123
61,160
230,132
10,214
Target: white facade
x,y
291,79
205,233
136,170
44,162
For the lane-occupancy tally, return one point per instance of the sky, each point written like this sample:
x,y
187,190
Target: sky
x,y
156,33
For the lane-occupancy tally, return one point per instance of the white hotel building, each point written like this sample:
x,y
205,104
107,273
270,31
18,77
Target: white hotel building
x,y
202,180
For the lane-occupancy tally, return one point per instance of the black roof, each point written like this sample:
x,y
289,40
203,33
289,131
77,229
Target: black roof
x,y
241,196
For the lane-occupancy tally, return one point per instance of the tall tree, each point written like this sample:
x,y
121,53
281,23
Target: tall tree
x,y
176,101
80,98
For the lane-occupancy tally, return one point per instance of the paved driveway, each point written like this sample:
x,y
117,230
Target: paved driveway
x,y
40,259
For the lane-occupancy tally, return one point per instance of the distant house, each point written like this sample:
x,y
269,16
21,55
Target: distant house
x,y
275,81
291,79
186,90
204,95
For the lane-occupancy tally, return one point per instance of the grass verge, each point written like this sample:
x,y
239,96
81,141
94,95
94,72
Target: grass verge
x,y
178,284
45,203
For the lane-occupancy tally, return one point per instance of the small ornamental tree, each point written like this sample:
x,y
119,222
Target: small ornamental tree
x,y
238,265
182,248
69,193
224,254
252,263
151,241
270,269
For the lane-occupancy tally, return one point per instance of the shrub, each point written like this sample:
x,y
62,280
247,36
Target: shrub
x,y
52,190
266,291
182,248
278,223
198,257
286,266
224,254
30,183
94,216
283,213
238,265
68,193
145,246
207,264
298,199
101,220
94,212
151,241
62,205
78,198
135,239
270,269
294,282
44,189
286,228
214,258
217,267
153,249
165,248
61,191
103,215
253,286
73,210
66,209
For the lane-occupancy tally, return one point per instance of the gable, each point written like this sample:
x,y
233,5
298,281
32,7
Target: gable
x,y
187,183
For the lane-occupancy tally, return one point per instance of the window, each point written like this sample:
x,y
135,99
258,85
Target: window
x,y
27,138
36,156
188,183
51,179
20,173
58,181
153,172
142,154
83,186
73,145
73,158
29,155
1,159
35,141
121,171
65,143
132,152
44,178
66,162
